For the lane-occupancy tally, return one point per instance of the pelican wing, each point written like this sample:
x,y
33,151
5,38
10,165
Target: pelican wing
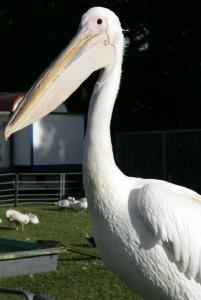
x,y
173,214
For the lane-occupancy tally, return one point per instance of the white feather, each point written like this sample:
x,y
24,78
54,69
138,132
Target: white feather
x,y
177,212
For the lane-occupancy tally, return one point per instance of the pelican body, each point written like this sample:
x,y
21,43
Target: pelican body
x,y
147,231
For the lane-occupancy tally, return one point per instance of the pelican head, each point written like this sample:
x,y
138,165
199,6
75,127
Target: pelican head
x,y
94,47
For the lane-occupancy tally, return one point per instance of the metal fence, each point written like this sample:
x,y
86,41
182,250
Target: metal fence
x,y
170,155
43,188
7,188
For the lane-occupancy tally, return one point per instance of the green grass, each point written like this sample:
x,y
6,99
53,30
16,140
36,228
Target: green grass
x,y
77,277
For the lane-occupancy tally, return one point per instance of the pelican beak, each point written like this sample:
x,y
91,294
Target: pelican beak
x,y
87,52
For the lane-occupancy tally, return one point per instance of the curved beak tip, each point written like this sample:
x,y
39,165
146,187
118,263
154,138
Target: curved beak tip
x,y
6,133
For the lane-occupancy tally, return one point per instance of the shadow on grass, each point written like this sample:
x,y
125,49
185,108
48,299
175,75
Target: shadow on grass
x,y
80,258
5,225
54,209
7,228
81,246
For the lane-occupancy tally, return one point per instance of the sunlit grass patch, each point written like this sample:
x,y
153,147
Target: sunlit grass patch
x,y
77,276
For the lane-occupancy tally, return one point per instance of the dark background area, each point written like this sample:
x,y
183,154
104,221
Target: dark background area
x,y
161,81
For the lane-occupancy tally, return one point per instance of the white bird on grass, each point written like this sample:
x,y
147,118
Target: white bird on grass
x,y
72,203
84,202
33,218
21,219
65,203
80,204
147,231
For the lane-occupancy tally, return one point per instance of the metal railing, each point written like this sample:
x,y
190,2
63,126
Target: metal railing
x,y
173,155
41,188
7,188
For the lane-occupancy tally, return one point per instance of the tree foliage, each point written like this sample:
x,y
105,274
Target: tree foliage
x,y
161,81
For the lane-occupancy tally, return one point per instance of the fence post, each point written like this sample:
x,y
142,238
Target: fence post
x,y
16,189
61,186
64,185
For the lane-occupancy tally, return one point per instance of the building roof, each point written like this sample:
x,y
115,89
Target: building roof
x,y
10,101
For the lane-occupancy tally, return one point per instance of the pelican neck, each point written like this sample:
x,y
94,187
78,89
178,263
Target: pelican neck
x,y
100,113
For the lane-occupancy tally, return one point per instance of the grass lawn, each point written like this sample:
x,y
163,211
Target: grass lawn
x,y
77,277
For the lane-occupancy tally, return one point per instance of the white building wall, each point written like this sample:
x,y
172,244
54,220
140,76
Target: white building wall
x,y
22,147
58,140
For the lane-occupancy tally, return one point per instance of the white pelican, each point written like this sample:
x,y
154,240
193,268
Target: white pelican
x,y
148,231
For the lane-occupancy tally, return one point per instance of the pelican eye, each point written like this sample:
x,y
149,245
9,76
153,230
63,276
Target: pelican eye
x,y
99,21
